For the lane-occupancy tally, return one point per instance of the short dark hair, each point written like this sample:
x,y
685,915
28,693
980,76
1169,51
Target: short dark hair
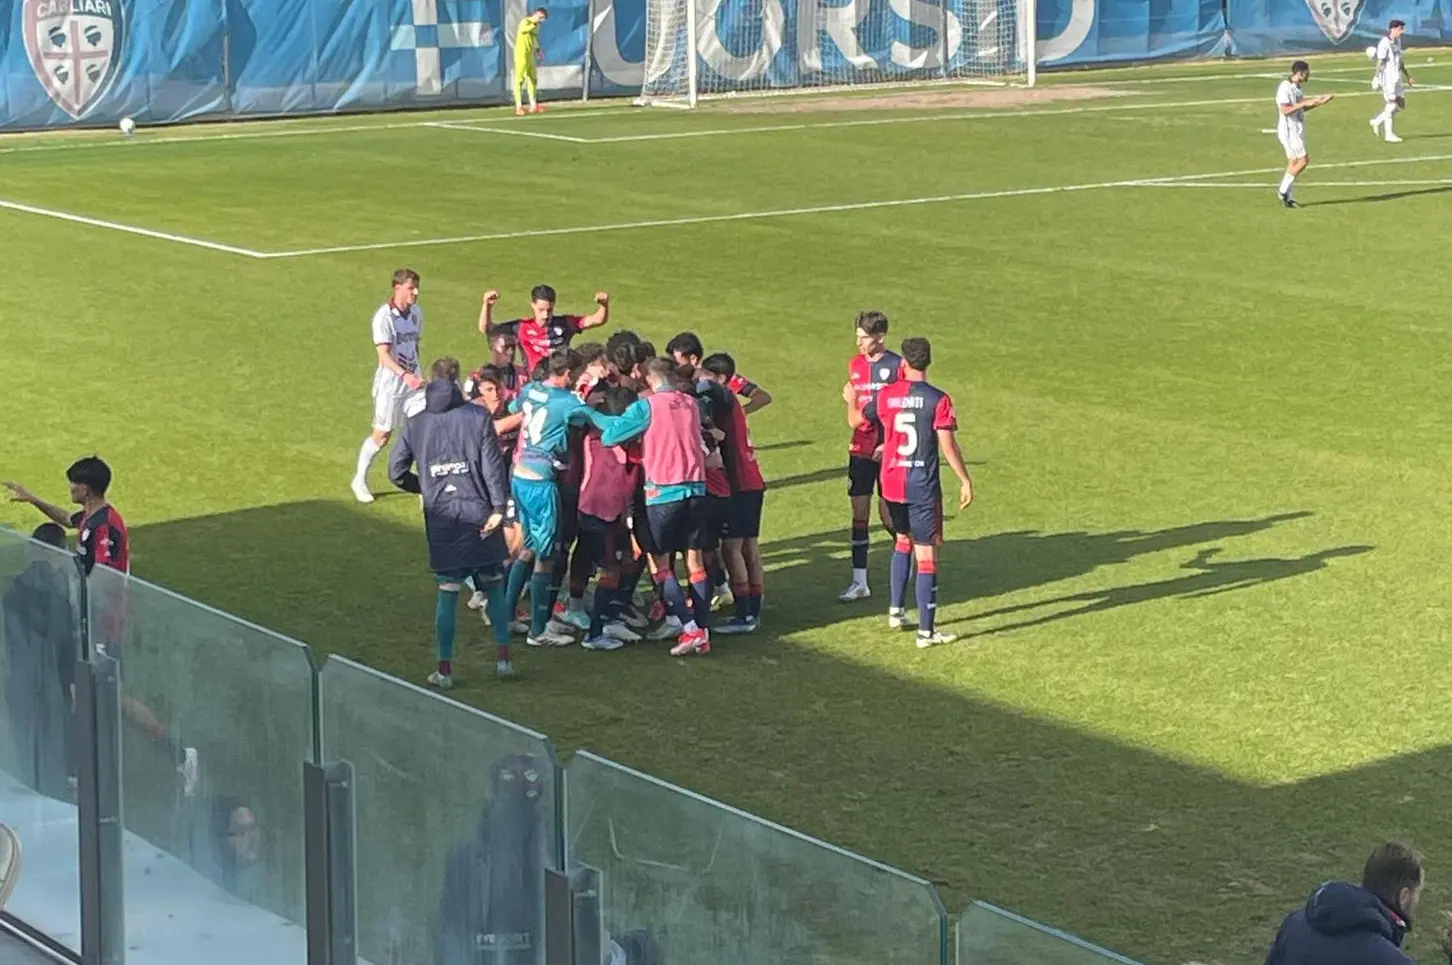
x,y
405,276
616,399
445,368
590,352
663,368
497,329
1391,868
686,343
644,352
52,534
872,322
1395,24
543,11
719,364
542,293
918,353
563,361
1300,67
540,370
92,473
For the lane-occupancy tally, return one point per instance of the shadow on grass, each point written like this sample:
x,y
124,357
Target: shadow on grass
x,y
1208,578
1387,196
1156,857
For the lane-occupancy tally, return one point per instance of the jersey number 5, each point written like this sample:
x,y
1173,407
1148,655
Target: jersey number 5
x,y
534,420
905,425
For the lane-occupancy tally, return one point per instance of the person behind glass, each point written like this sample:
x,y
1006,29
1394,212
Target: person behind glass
x,y
39,645
491,911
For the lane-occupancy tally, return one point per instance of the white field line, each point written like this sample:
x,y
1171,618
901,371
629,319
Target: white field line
x,y
828,208
514,132
1266,185
129,229
957,116
145,139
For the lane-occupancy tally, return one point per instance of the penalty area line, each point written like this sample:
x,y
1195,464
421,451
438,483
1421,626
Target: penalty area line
x,y
452,126
129,229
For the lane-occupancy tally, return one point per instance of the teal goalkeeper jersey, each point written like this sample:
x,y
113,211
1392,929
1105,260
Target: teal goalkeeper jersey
x,y
544,436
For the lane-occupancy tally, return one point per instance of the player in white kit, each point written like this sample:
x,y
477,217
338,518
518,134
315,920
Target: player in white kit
x,y
1291,107
396,328
1390,72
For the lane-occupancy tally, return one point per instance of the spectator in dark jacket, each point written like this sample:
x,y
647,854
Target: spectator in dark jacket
x,y
492,908
1343,924
41,642
464,482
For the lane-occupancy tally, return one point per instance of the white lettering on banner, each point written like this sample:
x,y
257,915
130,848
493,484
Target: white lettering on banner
x,y
926,15
1075,32
840,23
727,64
606,51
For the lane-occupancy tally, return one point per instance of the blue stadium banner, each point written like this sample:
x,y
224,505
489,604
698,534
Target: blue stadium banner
x,y
1268,27
1075,33
91,62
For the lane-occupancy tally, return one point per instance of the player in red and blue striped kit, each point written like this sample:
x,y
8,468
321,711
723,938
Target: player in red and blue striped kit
x,y
918,424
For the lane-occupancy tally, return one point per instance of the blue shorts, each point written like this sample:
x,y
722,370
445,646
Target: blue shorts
x,y
537,506
921,522
673,526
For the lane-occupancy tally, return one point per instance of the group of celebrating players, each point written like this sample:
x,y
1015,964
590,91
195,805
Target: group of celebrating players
x,y
610,462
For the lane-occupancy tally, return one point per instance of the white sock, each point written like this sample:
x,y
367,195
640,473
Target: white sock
x,y
366,456
859,576
1286,183
1387,130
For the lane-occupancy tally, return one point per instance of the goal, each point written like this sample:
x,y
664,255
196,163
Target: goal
x,y
706,48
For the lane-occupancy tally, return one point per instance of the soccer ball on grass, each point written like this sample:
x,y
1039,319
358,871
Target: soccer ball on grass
x,y
128,126
1371,53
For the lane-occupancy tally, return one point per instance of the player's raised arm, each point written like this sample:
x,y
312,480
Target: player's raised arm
x,y
756,397
486,311
19,494
600,315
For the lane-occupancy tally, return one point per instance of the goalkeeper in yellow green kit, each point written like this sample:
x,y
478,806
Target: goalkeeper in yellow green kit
x,y
526,56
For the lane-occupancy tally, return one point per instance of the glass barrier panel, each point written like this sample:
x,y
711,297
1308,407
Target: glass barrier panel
x,y
40,635
454,822
988,935
216,721
706,883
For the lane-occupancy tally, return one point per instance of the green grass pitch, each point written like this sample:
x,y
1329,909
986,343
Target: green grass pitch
x,y
1201,592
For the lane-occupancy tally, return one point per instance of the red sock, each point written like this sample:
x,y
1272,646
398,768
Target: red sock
x,y
446,667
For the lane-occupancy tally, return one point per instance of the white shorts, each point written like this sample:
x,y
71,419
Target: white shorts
x,y
390,411
1393,92
1294,143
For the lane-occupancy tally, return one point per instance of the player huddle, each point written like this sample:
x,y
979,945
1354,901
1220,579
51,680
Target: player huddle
x,y
1389,77
614,463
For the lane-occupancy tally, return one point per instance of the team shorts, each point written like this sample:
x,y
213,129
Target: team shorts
x,y
862,475
482,577
537,507
922,522
569,524
605,540
1295,145
743,516
673,525
1394,93
388,411
715,511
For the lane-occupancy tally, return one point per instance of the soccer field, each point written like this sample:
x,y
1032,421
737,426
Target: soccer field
x,y
1199,594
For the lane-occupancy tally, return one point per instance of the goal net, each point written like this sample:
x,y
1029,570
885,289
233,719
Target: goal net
x,y
703,48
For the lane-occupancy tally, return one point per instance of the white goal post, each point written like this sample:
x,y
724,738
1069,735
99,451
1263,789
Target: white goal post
x,y
705,48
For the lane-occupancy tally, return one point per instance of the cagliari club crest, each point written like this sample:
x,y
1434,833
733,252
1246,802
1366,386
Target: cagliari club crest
x,y
74,48
1336,18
